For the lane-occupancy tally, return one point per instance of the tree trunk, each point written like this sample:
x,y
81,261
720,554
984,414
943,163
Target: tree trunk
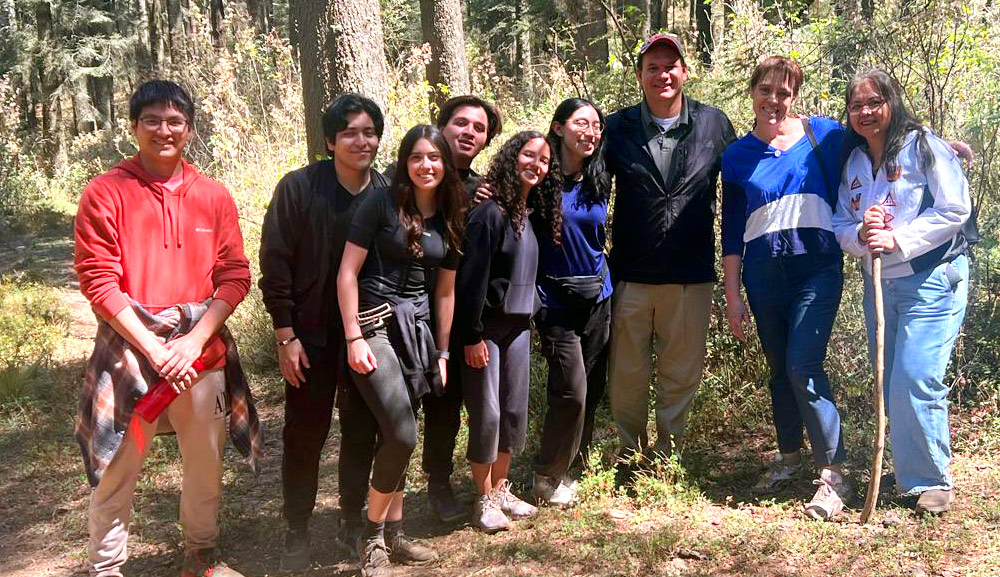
x,y
293,25
155,36
447,72
358,63
142,54
522,50
315,59
591,33
8,18
261,12
216,15
718,28
175,28
101,91
703,19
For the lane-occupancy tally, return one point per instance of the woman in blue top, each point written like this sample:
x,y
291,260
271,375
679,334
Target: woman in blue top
x,y
779,190
903,194
575,287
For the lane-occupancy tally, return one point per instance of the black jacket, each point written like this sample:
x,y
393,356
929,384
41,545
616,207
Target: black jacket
x,y
662,232
301,244
496,277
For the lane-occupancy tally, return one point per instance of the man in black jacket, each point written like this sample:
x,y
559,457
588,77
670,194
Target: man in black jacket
x,y
302,241
665,155
468,123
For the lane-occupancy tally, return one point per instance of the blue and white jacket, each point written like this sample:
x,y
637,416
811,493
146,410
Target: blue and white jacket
x,y
927,206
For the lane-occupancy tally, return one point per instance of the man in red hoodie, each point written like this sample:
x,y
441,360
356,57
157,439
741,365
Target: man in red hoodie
x,y
160,257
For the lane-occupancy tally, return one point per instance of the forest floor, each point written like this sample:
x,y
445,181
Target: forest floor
x,y
693,518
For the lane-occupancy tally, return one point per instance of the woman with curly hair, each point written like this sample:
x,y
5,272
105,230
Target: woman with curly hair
x,y
402,240
497,298
575,289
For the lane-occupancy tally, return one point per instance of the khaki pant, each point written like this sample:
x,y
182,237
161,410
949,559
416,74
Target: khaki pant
x,y
679,317
199,418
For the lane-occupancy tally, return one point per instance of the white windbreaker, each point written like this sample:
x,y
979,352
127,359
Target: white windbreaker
x,y
927,206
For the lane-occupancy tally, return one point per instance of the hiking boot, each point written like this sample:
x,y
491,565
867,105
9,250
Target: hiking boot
x,y
443,502
347,534
487,515
934,502
828,501
511,505
549,492
373,556
295,555
404,550
206,563
783,468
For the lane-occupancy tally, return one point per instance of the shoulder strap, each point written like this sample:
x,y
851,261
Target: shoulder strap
x,y
815,145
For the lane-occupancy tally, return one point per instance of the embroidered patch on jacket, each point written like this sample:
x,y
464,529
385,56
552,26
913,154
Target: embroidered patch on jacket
x,y
855,184
890,200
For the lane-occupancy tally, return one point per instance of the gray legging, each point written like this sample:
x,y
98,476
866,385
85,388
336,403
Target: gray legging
x,y
496,397
387,395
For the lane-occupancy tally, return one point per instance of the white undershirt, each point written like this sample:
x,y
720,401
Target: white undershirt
x,y
665,124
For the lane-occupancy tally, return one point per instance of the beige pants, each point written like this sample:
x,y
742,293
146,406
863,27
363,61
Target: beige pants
x,y
199,418
679,316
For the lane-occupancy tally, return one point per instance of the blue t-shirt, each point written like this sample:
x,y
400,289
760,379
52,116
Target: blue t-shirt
x,y
779,203
582,250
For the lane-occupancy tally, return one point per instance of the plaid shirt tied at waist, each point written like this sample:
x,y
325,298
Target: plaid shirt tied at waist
x,y
117,376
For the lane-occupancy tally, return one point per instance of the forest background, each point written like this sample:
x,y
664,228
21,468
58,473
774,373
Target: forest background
x,y
261,70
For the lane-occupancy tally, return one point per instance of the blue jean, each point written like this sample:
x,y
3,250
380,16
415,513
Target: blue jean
x,y
923,315
794,301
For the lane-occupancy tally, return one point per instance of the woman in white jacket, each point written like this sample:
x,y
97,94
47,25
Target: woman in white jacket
x,y
903,194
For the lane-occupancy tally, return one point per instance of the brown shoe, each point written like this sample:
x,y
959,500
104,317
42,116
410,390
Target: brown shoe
x,y
206,563
828,501
934,502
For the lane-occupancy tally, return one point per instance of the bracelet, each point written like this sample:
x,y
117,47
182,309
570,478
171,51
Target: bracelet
x,y
290,339
350,340
443,355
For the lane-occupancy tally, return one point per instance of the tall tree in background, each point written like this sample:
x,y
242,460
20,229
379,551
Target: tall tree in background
x,y
447,73
703,24
341,49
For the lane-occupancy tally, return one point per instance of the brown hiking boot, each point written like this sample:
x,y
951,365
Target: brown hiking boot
x,y
934,502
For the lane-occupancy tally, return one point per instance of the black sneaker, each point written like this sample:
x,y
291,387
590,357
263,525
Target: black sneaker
x,y
373,556
295,555
347,535
404,550
443,502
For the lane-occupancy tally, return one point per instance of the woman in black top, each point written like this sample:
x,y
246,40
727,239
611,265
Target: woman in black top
x,y
401,239
496,299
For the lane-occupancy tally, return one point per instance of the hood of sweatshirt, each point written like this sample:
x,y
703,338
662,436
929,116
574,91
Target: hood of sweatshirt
x,y
171,201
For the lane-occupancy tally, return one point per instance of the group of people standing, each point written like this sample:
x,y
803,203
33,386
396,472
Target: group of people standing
x,y
418,290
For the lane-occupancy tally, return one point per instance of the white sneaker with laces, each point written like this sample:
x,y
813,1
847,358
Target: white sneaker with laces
x,y
783,468
511,505
549,492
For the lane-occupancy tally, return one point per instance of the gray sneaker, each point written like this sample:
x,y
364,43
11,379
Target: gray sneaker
x,y
782,469
934,502
511,505
487,516
549,492
828,501
373,556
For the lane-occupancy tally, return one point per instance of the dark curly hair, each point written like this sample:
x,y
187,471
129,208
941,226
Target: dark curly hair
x,y
595,172
545,198
450,194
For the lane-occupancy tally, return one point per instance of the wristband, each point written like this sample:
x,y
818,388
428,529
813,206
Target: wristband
x,y
290,339
350,340
443,355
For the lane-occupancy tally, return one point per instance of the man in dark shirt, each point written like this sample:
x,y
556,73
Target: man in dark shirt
x,y
302,242
665,155
468,123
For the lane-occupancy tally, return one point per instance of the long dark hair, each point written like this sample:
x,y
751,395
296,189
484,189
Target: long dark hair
x,y
595,174
901,121
545,197
450,194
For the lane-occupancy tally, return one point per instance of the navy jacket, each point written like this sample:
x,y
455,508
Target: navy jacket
x,y
662,232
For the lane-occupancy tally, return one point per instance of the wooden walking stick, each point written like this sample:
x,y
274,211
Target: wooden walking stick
x,y
873,484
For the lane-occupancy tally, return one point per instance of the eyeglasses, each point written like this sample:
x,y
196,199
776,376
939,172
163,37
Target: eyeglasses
x,y
153,123
582,125
872,105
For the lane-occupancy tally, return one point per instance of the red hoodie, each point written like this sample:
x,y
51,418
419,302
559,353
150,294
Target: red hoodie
x,y
134,237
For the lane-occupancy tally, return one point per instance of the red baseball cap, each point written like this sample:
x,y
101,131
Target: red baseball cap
x,y
663,40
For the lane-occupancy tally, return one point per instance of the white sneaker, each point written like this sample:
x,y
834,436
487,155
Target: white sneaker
x,y
511,505
783,468
548,492
828,501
